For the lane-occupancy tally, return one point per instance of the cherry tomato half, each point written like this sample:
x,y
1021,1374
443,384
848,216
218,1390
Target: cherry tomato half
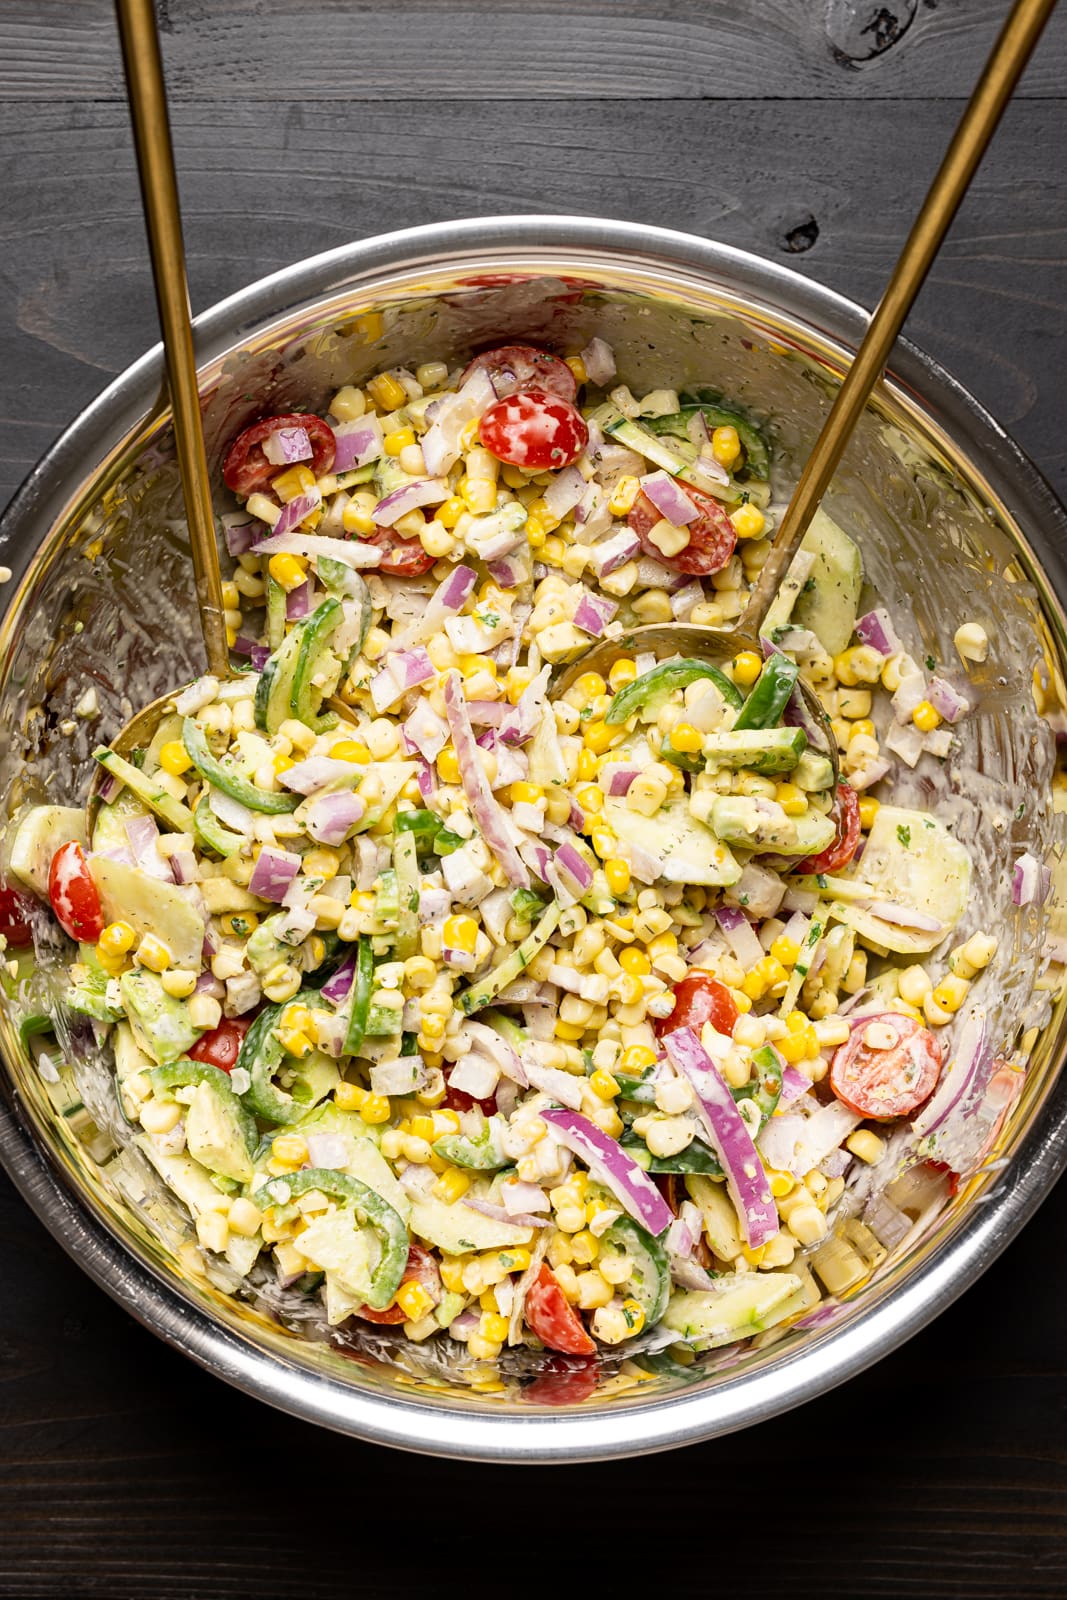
x,y
401,558
460,1100
564,1383
712,535
534,429
550,1315
15,916
846,813
246,469
699,998
421,1266
889,1082
74,896
221,1047
514,367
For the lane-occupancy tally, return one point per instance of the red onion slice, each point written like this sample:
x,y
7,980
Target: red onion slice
x,y
358,443
411,497
286,446
488,814
611,1166
272,874
669,499
351,552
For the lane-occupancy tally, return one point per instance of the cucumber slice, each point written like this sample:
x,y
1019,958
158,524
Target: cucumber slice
x,y
764,750
275,684
406,866
911,860
39,834
689,850
161,802
151,906
276,608
757,457
210,833
826,600
480,994
457,1229
219,1132
744,1304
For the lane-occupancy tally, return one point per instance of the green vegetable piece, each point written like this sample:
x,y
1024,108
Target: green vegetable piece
x,y
271,705
649,1282
769,695
276,607
651,690
481,1154
480,994
304,697
162,803
425,825
210,833
526,904
362,984
764,750
757,463
33,1025
160,1023
387,899
370,1210
230,782
383,1021
262,1055
406,867
765,1085
695,1158
446,841
220,1133
687,761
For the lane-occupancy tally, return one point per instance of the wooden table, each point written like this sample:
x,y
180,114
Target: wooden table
x,y
803,130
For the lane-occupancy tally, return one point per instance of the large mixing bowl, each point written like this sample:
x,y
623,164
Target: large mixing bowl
x,y
953,521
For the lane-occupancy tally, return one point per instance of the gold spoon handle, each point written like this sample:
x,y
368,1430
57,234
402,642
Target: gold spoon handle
x,y
992,93
159,192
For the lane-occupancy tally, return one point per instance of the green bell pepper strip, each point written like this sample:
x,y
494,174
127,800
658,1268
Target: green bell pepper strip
x,y
30,1026
696,1157
161,801
370,1210
304,698
757,457
445,841
276,605
765,1086
685,760
210,833
527,904
230,782
183,1072
651,689
425,825
260,1055
650,1280
480,994
406,866
362,985
769,695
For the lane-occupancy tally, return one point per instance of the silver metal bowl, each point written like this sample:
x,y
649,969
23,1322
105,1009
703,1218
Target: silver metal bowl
x,y
95,543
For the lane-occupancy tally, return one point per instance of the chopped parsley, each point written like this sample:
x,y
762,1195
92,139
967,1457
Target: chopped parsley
x,y
931,663
904,834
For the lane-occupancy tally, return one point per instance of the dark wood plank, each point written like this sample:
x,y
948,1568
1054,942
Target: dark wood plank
x,y
352,50
262,191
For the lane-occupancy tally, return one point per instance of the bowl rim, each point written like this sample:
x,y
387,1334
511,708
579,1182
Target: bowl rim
x,y
826,1359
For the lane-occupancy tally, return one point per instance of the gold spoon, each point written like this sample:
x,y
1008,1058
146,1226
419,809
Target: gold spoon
x,y
155,159
984,109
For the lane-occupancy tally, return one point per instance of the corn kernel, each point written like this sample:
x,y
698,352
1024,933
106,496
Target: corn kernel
x,y
451,1270
290,571
153,954
686,739
637,1059
400,440
749,521
785,950
386,392
375,1108
950,993
868,811
746,668
925,717
603,1084
866,1145
460,933
174,758
523,793
635,962
358,517
793,801
725,446
451,1185
448,766
577,366
604,843
291,1148
781,1183
413,1299
117,938
617,873
351,750
493,1326
623,496
598,737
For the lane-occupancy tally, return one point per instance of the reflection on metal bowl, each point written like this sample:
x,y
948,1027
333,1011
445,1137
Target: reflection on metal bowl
x,y
953,523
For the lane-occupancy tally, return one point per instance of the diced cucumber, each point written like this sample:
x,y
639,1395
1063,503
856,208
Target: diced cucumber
x,y
160,1023
649,1282
764,750
480,994
109,826
719,1216
276,683
755,824
456,1229
752,1302
913,862
673,458
406,867
690,851
38,835
827,602
219,1132
150,905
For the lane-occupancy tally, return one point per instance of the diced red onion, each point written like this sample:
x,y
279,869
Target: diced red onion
x,y
425,731
305,777
592,514
685,599
143,834
1025,879
614,553
876,630
598,359
616,778
740,935
564,492
593,613
442,441
329,1150
358,443
652,574
902,916
298,602
508,572
910,693
208,984
948,701
886,1221
794,1086
697,429
669,498
350,551
272,874
286,446
240,536
244,646
183,865
410,497
690,1274
729,1136
576,873
517,1219
294,512
525,716
260,657
335,989
487,813
329,817
109,787
611,1166
870,774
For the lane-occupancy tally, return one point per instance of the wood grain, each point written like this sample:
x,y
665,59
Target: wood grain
x,y
352,50
805,130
